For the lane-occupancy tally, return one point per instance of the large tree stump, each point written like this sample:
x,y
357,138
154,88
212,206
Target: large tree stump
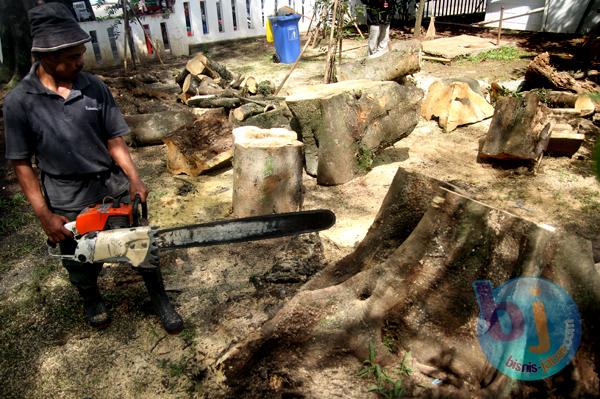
x,y
519,131
150,129
203,146
404,59
343,125
267,171
455,102
417,294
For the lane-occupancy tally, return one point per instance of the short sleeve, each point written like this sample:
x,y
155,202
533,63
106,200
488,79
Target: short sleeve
x,y
17,131
114,122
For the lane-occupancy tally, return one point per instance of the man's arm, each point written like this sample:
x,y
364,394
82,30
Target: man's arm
x,y
120,154
52,223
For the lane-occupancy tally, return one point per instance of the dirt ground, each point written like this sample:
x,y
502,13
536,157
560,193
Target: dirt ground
x,y
226,292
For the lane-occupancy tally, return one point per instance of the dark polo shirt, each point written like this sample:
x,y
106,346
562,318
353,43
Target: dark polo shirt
x,y
68,139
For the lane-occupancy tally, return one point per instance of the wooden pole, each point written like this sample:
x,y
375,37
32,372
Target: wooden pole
x,y
124,34
500,26
419,18
330,46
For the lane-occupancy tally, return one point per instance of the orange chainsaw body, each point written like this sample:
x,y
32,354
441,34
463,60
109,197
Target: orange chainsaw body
x,y
95,218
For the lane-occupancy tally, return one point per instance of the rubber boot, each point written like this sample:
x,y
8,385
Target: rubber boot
x,y
170,319
94,307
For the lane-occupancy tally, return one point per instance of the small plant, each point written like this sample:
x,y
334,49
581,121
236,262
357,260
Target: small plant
x,y
365,158
388,385
542,94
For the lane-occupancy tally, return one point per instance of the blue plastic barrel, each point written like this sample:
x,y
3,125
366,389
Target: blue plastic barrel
x,y
287,37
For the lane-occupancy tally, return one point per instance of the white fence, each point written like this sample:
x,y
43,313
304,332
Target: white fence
x,y
191,22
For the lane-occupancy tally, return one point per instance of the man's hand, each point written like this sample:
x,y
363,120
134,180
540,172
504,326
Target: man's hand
x,y
54,226
137,186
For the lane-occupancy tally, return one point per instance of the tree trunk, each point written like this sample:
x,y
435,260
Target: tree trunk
x,y
404,59
519,131
203,146
454,103
413,290
343,125
267,171
213,101
540,73
279,117
244,111
150,129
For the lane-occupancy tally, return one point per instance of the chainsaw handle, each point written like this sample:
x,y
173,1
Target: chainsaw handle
x,y
137,201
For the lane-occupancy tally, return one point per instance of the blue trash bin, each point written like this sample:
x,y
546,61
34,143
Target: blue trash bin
x,y
287,37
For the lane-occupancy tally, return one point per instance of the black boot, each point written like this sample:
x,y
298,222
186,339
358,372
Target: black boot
x,y
94,307
170,319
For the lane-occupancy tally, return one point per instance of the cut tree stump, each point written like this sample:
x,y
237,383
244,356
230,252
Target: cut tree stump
x,y
404,59
205,145
343,125
267,171
412,288
519,131
149,129
455,102
540,73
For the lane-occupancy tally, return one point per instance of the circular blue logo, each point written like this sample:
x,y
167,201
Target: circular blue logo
x,y
529,328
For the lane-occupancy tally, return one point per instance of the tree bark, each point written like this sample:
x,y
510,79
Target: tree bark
x,y
267,171
203,146
150,129
343,125
519,131
417,294
404,59
540,73
244,111
454,103
213,101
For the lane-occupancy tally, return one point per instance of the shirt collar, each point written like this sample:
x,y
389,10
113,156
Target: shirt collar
x,y
34,86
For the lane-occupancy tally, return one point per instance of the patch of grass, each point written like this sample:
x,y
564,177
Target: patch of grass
x,y
595,96
388,384
504,53
174,369
14,213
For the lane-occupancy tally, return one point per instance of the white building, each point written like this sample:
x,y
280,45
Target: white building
x,y
191,22
559,16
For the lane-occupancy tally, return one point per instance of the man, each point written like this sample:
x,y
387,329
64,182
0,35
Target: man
x,y
68,121
379,14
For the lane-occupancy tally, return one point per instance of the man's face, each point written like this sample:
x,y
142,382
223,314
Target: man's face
x,y
65,64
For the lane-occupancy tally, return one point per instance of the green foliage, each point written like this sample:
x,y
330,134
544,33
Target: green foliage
x,y
504,53
388,385
542,94
364,158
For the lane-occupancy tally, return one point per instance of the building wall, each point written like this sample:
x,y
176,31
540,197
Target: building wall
x,y
560,16
533,22
178,36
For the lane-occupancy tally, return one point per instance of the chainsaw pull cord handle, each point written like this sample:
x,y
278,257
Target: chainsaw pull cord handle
x,y
137,201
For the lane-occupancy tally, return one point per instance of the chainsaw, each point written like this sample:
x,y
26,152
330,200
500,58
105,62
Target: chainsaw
x,y
115,232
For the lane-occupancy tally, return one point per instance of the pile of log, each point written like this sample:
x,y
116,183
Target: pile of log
x,y
207,84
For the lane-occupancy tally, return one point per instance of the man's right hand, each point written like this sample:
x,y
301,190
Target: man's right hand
x,y
54,226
